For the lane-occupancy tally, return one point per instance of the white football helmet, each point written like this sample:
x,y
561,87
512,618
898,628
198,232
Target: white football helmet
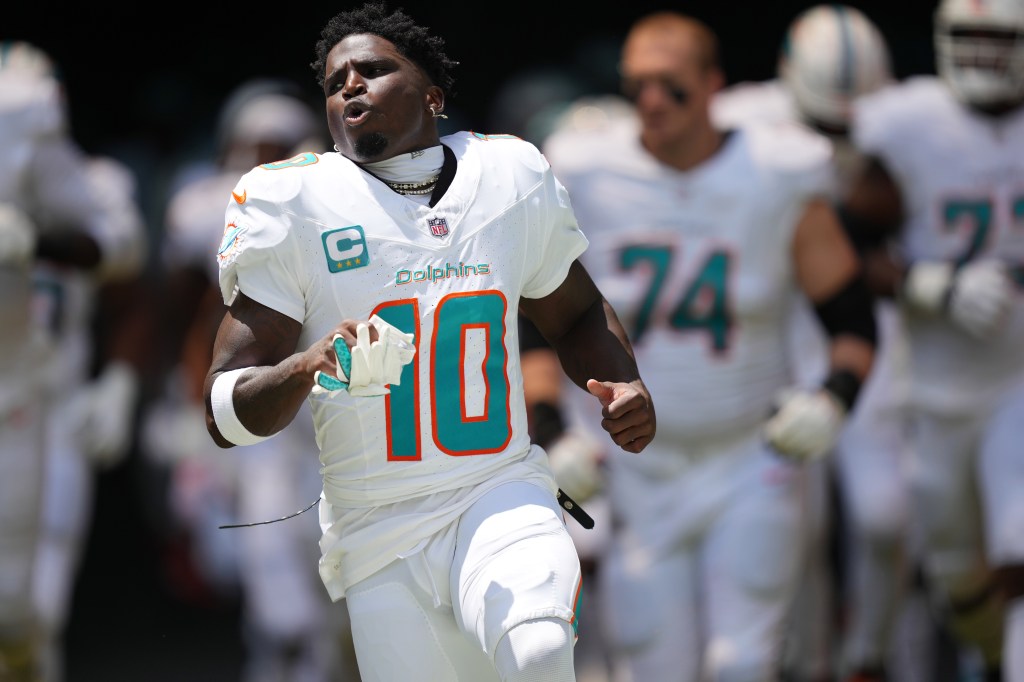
x,y
832,54
979,48
24,57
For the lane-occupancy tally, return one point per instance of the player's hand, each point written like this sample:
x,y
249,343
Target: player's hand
x,y
976,296
805,425
102,414
627,411
366,357
980,299
17,236
577,461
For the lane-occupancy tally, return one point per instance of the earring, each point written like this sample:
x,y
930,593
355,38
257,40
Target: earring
x,y
436,114
336,148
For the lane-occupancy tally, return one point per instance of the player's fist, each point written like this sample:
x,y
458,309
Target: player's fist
x,y
364,365
806,424
17,236
627,412
976,296
980,299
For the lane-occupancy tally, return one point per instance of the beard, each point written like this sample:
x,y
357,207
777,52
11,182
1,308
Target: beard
x,y
370,146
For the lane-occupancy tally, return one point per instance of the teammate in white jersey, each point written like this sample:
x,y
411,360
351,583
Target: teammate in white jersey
x,y
946,184
62,234
833,54
383,284
290,629
701,240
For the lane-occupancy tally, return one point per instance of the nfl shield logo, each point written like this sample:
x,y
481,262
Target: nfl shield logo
x,y
438,227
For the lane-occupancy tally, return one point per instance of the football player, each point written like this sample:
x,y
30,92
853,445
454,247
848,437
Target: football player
x,y
702,238
833,54
942,203
70,225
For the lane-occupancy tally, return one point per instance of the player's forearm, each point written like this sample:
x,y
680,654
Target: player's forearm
x,y
852,353
597,347
265,399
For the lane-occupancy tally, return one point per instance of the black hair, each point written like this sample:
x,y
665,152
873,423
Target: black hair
x,y
415,42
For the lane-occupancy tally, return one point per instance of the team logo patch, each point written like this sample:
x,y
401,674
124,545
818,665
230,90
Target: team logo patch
x,y
230,243
438,227
297,161
345,249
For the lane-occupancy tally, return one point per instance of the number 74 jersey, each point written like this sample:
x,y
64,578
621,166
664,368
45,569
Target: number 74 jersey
x,y
320,241
698,264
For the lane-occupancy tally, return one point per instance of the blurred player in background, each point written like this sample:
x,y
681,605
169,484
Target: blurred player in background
x,y
290,629
702,238
942,201
69,225
833,54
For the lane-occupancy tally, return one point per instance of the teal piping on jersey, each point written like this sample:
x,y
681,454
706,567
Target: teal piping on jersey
x,y
577,603
846,75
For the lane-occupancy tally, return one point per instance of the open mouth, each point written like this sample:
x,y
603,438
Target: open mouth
x,y
355,113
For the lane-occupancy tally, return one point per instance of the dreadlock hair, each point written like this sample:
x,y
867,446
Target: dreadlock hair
x,y
415,42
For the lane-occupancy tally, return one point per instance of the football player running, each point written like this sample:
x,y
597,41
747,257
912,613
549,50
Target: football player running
x,y
833,54
947,184
382,283
701,239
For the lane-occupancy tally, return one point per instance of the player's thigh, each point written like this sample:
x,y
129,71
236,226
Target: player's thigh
x,y
1001,473
514,561
871,461
21,484
400,632
943,482
751,565
650,605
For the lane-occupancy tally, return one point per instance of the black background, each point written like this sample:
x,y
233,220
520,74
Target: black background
x,y
145,82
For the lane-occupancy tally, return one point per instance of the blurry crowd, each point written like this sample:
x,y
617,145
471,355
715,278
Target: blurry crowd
x,y
107,323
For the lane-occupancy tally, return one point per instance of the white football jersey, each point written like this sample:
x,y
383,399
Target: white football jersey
x,y
698,264
962,180
319,240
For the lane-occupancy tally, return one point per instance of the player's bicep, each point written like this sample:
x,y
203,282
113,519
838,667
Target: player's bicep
x,y
823,257
873,202
555,314
253,335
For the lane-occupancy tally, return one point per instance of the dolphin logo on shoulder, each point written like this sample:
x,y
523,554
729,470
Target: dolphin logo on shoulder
x,y
239,198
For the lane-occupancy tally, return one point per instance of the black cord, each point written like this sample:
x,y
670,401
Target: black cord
x,y
262,523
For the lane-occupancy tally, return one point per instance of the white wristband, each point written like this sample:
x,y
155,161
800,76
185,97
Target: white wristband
x,y
224,410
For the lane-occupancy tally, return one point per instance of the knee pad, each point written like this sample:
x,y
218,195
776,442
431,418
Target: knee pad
x,y
537,651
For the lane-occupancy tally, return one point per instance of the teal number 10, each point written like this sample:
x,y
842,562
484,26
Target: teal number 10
x,y
455,430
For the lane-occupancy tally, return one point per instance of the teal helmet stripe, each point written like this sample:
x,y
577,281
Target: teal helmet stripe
x,y
847,78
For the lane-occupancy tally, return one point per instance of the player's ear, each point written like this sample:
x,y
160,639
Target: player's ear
x,y
435,99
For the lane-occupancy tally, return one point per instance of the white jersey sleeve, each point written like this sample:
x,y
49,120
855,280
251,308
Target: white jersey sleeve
x,y
560,242
753,102
258,246
800,160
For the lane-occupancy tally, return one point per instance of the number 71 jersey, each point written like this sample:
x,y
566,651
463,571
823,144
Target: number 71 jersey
x,y
697,264
320,241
